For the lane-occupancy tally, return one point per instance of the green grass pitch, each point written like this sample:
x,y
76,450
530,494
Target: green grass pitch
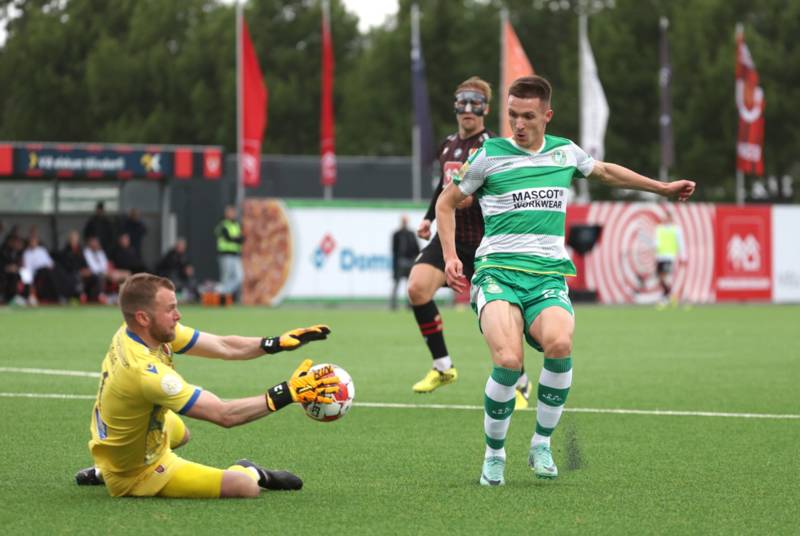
x,y
414,470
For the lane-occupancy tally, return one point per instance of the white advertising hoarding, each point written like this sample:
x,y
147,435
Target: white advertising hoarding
x,y
344,252
785,254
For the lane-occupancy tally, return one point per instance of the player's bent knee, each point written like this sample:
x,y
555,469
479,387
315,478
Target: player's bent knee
x,y
418,294
238,485
558,347
506,358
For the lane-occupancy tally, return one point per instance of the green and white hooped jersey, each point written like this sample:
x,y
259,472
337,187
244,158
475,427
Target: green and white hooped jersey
x,y
523,196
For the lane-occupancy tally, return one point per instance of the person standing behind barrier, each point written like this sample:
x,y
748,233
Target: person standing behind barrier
x,y
669,248
404,250
100,226
229,252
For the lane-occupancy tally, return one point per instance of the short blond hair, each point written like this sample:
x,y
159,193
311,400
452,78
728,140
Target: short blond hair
x,y
138,292
478,84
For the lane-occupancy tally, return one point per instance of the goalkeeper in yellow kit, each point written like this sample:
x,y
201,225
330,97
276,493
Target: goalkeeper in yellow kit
x,y
134,422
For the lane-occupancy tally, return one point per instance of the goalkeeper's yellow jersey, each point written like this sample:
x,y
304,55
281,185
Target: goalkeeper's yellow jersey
x,y
137,386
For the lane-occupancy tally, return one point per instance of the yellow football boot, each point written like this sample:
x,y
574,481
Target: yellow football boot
x,y
434,379
522,394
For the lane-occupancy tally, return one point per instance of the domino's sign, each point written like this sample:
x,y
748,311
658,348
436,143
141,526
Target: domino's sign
x,y
344,252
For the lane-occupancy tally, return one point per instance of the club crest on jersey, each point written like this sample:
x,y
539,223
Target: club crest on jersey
x,y
493,288
559,157
457,152
452,169
171,384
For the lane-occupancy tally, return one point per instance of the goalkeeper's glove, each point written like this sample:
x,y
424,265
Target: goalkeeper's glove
x,y
292,340
304,387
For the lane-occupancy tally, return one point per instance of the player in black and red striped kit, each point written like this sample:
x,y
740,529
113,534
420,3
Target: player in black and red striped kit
x,y
472,98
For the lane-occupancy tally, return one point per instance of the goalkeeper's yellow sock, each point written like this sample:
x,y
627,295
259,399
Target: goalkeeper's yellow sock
x,y
252,472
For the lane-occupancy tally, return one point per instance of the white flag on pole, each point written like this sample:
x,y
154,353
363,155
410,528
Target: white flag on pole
x,y
594,107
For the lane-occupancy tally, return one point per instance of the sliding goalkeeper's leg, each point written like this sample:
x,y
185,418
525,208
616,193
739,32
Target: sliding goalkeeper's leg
x,y
271,479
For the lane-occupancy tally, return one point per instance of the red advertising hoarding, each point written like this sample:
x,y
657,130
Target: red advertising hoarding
x,y
743,251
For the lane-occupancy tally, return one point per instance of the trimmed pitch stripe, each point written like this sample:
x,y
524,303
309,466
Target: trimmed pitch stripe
x,y
607,411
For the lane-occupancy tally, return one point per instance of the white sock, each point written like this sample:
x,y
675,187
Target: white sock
x,y
442,364
98,474
522,382
255,472
500,453
540,440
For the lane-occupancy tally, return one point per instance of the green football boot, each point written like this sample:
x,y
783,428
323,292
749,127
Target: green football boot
x,y
492,472
540,460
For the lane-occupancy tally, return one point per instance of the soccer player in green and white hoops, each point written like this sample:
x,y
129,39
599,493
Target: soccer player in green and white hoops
x,y
519,285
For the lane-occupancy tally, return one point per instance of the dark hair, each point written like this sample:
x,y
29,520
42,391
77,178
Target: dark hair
x,y
138,292
531,87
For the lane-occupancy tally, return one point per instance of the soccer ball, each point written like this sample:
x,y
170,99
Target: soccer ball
x,y
342,399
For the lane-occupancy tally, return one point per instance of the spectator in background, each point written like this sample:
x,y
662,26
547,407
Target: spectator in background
x,y
175,266
10,264
125,257
404,250
38,272
79,280
132,225
229,252
669,249
98,263
100,225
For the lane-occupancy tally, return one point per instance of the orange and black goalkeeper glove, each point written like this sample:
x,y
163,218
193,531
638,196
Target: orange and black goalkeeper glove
x,y
292,340
304,387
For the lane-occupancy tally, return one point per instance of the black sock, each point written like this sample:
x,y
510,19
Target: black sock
x,y
430,325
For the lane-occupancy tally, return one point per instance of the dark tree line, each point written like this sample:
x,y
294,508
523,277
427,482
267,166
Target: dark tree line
x,y
163,71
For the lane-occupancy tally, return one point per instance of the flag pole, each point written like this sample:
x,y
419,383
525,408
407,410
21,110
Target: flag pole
x,y
239,100
326,17
740,186
416,143
581,186
501,104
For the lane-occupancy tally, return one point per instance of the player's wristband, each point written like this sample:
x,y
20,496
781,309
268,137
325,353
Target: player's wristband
x,y
271,345
278,396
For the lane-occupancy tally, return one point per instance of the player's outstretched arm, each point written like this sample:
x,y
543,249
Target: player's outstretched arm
x,y
228,413
618,176
303,387
234,347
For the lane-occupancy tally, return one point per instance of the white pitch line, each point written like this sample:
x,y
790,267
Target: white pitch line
x,y
47,395
51,372
656,412
605,411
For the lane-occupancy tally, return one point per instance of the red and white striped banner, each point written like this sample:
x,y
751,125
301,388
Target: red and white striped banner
x,y
622,267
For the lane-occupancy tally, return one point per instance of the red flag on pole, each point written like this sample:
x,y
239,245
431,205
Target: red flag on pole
x,y
327,134
515,65
750,102
253,110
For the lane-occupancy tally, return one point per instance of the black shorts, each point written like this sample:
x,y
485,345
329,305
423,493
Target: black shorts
x,y
664,267
432,254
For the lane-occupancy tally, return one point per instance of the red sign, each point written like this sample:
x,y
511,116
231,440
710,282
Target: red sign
x,y
254,95
327,122
750,103
183,163
212,163
6,160
743,253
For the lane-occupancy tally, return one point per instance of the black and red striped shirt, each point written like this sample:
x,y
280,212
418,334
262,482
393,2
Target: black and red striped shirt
x,y
453,152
